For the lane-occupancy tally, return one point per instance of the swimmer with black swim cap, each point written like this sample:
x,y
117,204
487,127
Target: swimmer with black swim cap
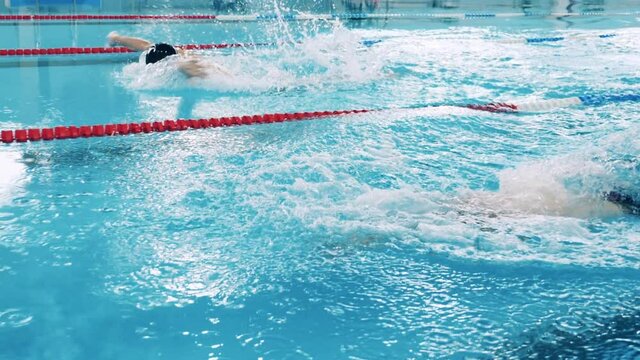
x,y
158,52
626,202
190,65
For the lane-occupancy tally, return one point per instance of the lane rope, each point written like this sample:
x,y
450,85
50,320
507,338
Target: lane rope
x,y
116,49
553,39
87,131
101,18
124,50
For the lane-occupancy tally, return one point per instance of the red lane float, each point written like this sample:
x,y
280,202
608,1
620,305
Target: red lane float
x,y
114,50
72,132
103,17
86,131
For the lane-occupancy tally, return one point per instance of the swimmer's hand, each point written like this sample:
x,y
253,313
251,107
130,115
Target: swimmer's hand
x,y
112,38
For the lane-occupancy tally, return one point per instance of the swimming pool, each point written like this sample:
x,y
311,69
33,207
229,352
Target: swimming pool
x,y
413,232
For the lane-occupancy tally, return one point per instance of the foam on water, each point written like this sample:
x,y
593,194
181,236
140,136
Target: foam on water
x,y
540,188
571,185
548,211
13,176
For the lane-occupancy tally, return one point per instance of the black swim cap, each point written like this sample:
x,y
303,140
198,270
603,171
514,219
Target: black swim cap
x,y
158,52
626,201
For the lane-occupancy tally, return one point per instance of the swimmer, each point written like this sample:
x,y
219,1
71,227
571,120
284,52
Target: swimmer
x,y
560,203
190,65
626,202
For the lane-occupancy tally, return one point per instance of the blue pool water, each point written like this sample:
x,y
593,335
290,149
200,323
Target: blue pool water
x,y
437,232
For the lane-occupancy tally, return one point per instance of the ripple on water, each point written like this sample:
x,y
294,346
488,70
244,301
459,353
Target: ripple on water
x,y
14,318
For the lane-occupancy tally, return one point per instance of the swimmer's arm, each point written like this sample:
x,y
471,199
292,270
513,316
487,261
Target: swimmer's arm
x,y
132,43
193,68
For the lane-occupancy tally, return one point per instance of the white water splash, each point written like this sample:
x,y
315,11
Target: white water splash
x,y
319,61
539,188
572,185
13,176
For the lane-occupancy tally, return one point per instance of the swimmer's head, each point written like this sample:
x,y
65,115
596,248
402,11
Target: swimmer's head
x,y
626,201
158,52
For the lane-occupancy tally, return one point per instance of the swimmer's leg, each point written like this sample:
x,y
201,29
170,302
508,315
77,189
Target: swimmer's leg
x,y
132,43
627,202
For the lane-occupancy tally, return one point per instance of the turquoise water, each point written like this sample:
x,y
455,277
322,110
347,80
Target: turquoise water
x,y
436,232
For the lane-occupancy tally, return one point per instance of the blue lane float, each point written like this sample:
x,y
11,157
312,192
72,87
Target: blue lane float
x,y
561,38
479,15
599,100
545,39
